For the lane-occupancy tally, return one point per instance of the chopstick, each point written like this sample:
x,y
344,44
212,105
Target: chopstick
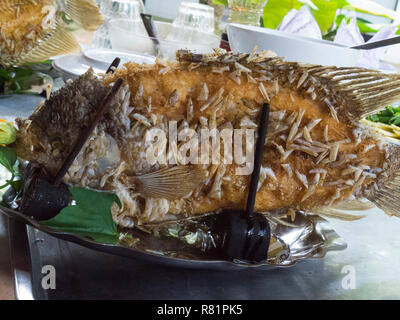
x,y
378,44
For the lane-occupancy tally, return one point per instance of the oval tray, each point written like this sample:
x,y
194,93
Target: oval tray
x,y
312,239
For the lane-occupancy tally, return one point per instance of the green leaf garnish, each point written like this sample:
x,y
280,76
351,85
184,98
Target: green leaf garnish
x,y
23,79
390,115
8,158
90,216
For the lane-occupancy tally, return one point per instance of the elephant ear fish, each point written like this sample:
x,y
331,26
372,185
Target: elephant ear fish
x,y
318,153
35,30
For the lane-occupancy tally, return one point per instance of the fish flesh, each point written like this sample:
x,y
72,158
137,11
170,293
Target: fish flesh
x,y
35,30
318,153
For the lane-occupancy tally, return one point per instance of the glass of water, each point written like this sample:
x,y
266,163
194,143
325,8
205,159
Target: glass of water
x,y
117,9
122,9
192,21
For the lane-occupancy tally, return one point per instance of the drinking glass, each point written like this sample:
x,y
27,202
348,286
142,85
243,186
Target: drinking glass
x,y
192,21
122,9
246,11
117,9
195,15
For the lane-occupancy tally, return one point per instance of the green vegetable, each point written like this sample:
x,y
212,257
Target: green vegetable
x,y
7,133
390,115
23,80
8,159
88,216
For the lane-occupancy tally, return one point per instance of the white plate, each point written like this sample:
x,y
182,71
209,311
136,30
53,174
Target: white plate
x,y
108,55
74,65
244,38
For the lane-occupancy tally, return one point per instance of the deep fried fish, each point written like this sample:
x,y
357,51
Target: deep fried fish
x,y
318,154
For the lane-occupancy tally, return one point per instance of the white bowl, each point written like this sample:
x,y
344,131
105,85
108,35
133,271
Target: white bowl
x,y
243,38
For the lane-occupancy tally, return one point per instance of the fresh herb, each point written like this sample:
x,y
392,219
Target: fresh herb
x,y
390,115
8,159
89,215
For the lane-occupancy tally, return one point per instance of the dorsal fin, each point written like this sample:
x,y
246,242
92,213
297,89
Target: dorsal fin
x,y
358,92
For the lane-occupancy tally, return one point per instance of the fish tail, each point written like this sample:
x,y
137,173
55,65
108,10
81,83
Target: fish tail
x,y
59,41
363,92
84,12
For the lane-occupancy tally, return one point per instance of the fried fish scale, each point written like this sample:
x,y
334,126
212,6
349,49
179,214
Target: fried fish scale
x,y
317,152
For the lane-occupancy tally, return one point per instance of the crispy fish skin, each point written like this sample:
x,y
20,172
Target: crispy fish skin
x,y
317,152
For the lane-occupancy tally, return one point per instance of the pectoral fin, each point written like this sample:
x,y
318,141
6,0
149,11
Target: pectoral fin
x,y
170,183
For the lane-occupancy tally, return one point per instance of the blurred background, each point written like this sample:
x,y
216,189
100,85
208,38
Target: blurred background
x,y
200,26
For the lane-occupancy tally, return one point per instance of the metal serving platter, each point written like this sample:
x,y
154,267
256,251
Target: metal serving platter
x,y
312,238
